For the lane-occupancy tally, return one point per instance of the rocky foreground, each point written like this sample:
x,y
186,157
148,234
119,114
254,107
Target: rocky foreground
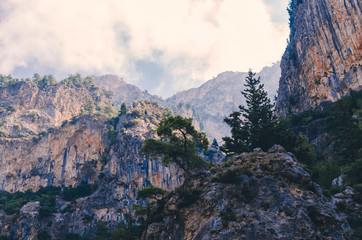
x,y
255,196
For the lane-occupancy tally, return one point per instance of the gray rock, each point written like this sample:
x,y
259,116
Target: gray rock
x,y
31,208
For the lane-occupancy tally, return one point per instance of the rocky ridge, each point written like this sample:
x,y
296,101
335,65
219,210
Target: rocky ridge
x,y
323,60
253,196
26,109
123,92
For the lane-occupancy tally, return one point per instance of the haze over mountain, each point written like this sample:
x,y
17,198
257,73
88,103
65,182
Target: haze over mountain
x,y
71,164
207,104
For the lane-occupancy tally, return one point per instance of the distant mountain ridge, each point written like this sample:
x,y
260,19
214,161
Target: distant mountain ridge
x,y
207,104
123,92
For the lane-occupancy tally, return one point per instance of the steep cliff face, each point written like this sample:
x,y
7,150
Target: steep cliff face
x,y
253,196
94,148
323,59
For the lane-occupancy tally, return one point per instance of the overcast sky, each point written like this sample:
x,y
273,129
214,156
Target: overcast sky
x,y
163,46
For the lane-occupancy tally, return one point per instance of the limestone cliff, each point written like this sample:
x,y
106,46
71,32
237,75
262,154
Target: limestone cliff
x,y
26,109
323,59
93,148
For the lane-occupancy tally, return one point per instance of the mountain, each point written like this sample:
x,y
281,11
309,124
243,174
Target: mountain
x,y
123,92
83,169
208,104
218,97
323,59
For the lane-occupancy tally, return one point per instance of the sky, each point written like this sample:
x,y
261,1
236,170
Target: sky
x,y
163,46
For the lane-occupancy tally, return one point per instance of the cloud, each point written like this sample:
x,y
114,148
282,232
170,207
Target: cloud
x,y
164,46
277,11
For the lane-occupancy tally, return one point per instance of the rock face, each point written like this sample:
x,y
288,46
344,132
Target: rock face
x,y
27,109
90,148
252,196
323,59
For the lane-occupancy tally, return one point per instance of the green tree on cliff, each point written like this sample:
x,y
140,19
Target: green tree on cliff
x,y
178,144
254,124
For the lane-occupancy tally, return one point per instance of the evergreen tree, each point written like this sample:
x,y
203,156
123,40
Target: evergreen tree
x,y
254,125
214,143
178,145
123,109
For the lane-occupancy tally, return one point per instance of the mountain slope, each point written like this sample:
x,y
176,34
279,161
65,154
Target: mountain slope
x,y
123,92
220,96
207,104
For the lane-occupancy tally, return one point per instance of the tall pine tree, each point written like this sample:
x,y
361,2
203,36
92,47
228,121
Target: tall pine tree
x,y
254,125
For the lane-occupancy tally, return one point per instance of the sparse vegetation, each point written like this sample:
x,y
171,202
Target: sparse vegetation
x,y
11,109
227,216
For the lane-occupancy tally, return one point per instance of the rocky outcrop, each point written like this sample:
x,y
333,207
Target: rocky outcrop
x,y
323,60
93,149
251,196
26,109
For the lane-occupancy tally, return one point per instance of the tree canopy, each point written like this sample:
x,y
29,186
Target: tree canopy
x,y
252,126
178,144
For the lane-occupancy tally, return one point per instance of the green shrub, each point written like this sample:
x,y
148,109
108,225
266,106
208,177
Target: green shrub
x,y
112,134
45,212
4,134
43,133
12,207
104,159
131,123
82,190
188,197
34,171
150,192
137,113
64,123
11,109
232,176
2,122
43,235
227,216
228,176
304,150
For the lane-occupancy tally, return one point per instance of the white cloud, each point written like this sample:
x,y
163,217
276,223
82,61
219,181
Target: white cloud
x,y
189,41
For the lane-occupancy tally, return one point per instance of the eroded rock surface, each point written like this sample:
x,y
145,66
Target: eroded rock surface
x,y
323,59
252,196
